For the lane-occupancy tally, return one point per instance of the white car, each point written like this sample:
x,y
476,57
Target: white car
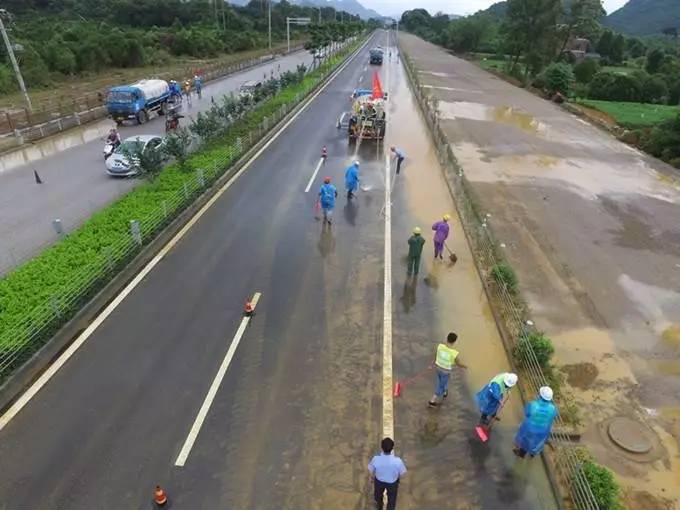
x,y
119,165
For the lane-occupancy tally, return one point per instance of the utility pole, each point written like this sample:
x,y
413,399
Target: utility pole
x,y
269,17
15,64
319,15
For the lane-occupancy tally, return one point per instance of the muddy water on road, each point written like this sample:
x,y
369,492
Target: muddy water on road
x,y
448,466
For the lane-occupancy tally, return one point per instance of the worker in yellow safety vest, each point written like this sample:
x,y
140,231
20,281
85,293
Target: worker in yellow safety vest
x,y
444,361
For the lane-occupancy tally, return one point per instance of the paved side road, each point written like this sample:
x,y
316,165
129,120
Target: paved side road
x,y
299,411
75,183
592,227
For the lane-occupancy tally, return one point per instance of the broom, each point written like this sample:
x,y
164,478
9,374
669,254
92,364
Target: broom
x,y
399,385
484,432
452,256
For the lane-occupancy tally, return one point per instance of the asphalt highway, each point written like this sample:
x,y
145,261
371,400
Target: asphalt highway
x,y
75,182
299,411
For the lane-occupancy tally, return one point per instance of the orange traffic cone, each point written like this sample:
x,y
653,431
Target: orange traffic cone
x,y
159,496
248,310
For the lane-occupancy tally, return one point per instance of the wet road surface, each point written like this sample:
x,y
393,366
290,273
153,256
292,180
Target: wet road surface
x,y
75,182
299,412
591,226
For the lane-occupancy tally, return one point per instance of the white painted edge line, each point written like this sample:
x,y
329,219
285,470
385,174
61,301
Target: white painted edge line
x,y
388,402
316,171
15,408
387,376
212,391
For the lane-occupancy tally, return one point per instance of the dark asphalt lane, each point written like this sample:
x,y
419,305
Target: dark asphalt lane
x,y
299,411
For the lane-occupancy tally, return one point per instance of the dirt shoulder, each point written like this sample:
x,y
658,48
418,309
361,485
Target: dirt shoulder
x,y
588,223
77,87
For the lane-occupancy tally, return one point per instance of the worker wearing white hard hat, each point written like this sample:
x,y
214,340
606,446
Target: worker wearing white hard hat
x,y
534,431
490,398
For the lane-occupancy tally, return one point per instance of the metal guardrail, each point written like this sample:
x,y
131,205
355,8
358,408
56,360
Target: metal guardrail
x,y
513,316
38,325
22,126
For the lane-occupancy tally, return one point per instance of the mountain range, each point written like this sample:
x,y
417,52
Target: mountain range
x,y
637,17
350,6
645,17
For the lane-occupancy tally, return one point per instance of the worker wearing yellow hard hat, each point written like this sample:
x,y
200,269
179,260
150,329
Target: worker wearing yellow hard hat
x,y
441,233
415,250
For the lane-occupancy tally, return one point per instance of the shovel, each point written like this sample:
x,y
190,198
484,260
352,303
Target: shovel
x,y
485,432
452,256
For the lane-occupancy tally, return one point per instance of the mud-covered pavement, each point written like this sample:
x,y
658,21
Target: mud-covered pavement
x,y
592,228
300,410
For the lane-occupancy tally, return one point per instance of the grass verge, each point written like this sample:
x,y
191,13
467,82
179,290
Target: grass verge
x,y
633,115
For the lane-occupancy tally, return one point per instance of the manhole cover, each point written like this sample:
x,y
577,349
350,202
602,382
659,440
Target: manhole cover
x,y
630,435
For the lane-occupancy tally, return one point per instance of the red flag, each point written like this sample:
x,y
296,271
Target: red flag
x,y
377,88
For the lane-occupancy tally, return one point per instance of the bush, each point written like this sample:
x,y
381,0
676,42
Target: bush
x,y
585,70
663,141
8,82
654,90
503,274
603,485
558,78
541,346
610,86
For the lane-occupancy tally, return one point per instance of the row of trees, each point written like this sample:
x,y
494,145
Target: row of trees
x,y
533,37
71,37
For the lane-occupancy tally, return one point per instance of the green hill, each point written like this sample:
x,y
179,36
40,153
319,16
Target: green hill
x,y
645,17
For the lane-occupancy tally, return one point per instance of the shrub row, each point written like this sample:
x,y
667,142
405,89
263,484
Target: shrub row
x,y
40,296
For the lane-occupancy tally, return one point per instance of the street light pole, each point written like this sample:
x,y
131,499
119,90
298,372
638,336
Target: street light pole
x,y
270,25
15,64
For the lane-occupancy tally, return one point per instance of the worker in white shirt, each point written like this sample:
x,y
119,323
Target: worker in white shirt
x,y
386,470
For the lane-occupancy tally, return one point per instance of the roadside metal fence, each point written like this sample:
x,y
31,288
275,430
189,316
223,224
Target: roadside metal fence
x,y
27,336
513,317
19,125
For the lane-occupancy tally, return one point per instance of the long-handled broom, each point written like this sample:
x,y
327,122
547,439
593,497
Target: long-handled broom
x,y
485,432
452,256
399,385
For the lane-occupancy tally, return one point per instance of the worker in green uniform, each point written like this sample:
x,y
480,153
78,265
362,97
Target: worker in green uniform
x,y
415,249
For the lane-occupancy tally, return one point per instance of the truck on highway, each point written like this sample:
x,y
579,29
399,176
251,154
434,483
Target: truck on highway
x,y
367,120
138,100
376,56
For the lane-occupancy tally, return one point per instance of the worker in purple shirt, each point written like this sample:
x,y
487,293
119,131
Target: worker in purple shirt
x,y
441,233
399,155
386,469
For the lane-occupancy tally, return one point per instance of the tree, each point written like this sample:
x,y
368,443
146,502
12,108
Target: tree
x,y
581,19
59,57
148,163
654,60
466,34
530,26
604,44
559,78
610,86
177,146
585,70
617,47
654,90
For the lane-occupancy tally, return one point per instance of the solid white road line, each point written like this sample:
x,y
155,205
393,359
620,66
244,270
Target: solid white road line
x,y
316,171
388,403
207,402
64,357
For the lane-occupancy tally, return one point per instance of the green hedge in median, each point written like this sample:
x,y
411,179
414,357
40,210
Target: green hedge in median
x,y
41,295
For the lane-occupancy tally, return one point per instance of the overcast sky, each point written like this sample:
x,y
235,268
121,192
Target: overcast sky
x,y
392,7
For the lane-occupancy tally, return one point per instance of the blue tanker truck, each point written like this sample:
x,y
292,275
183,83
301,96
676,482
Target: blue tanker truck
x,y
138,100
